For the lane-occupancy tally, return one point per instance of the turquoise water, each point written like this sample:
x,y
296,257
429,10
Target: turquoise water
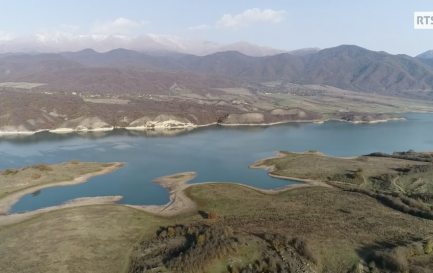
x,y
215,153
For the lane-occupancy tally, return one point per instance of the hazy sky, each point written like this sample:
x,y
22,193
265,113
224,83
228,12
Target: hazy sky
x,y
378,25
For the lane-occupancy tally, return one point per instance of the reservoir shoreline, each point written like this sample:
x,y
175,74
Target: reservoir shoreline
x,y
187,127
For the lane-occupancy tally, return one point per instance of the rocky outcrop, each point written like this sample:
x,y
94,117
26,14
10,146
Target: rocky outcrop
x,y
86,124
160,122
367,118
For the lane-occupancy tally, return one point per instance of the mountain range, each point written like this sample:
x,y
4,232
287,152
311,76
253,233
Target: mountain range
x,y
347,67
151,43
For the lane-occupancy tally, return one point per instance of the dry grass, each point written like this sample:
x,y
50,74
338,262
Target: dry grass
x,y
336,223
313,165
387,174
338,228
19,179
330,100
85,239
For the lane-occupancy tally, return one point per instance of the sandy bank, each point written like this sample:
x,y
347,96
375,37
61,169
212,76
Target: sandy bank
x,y
189,126
375,121
176,184
85,201
271,123
7,202
179,202
304,182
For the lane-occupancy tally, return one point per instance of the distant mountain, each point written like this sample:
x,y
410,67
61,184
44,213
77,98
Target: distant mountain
x,y
150,43
347,67
92,72
304,51
426,55
359,69
247,49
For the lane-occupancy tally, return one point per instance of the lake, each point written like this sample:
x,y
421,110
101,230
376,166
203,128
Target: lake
x,y
216,153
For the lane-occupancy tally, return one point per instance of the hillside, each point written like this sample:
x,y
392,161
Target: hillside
x,y
124,88
347,67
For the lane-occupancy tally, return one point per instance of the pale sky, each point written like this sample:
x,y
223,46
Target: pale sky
x,y
284,24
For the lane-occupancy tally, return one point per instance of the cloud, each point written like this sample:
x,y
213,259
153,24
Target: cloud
x,y
199,27
103,36
62,40
119,26
250,17
5,36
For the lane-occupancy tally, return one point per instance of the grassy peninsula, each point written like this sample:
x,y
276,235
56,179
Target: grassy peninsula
x,y
367,214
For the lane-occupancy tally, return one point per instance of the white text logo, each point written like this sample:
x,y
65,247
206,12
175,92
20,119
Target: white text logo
x,y
423,20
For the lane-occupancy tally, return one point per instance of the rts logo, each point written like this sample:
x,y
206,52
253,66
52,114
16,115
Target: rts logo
x,y
423,20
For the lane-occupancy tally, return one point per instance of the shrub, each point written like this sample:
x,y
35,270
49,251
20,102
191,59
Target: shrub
x,y
359,172
394,260
36,176
233,269
428,246
201,239
171,232
415,249
42,167
212,215
10,172
303,247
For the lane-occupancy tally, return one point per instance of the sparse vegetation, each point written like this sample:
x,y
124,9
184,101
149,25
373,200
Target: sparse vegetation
x,y
409,257
402,181
183,248
212,215
303,247
36,176
14,180
42,167
196,248
10,172
314,229
95,239
287,232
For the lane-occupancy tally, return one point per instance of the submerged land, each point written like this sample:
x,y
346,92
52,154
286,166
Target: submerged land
x,y
370,213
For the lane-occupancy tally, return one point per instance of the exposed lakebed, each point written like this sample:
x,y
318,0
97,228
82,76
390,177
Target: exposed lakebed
x,y
217,154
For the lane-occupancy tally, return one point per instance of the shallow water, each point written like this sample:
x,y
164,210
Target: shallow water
x,y
215,153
